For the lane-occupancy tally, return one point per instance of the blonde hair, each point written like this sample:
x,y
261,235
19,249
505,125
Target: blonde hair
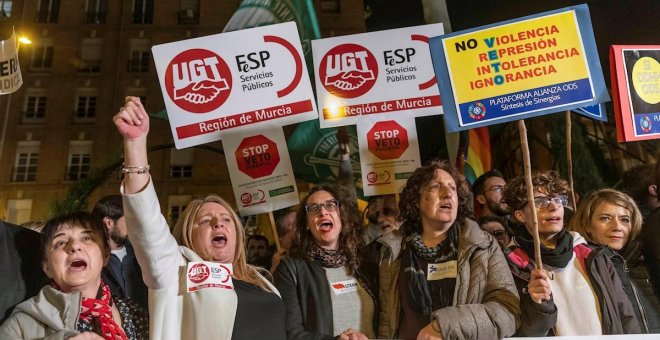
x,y
581,221
183,235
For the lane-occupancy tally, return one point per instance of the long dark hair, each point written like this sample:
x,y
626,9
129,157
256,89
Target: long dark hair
x,y
350,238
410,196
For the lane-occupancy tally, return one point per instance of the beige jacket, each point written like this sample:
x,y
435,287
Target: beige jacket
x,y
486,303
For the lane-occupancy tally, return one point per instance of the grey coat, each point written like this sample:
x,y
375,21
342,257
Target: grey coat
x,y
486,303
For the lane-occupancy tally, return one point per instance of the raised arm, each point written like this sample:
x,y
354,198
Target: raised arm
x,y
155,247
132,122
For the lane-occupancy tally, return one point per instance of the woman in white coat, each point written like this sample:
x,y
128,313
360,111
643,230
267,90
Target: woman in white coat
x,y
202,287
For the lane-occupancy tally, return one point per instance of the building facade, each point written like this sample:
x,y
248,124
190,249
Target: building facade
x,y
86,56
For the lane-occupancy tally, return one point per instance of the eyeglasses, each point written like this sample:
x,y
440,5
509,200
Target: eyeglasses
x,y
500,233
544,202
496,188
315,208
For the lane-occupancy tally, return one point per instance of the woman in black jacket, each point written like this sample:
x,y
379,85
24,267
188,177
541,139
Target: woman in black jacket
x,y
608,217
326,292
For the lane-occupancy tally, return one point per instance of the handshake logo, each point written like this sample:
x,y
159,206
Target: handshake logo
x,y
348,70
198,80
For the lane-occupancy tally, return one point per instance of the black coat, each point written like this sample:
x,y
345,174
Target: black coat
x,y
21,275
306,295
631,267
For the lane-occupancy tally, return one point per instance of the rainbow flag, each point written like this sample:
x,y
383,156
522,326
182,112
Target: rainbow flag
x,y
477,153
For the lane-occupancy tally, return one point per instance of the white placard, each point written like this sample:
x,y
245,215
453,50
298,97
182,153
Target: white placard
x,y
260,170
389,153
233,81
10,72
376,73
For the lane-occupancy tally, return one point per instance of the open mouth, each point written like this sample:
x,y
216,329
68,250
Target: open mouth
x,y
446,207
78,265
219,241
326,226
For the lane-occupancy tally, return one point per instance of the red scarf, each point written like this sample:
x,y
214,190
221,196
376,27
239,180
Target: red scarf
x,y
101,308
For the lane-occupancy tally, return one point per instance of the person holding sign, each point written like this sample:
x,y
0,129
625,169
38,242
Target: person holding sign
x,y
202,287
608,217
77,304
453,281
577,292
326,288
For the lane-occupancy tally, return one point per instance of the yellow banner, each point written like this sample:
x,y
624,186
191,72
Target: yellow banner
x,y
516,57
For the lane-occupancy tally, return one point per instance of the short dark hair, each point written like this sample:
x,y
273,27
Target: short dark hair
x,y
636,181
491,218
109,206
81,219
480,182
258,238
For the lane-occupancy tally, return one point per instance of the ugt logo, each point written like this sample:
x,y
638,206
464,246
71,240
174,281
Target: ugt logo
x,y
198,80
348,70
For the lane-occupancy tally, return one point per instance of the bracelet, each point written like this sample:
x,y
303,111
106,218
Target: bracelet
x,y
134,169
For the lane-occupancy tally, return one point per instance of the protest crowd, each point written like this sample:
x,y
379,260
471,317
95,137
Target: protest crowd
x,y
429,271
437,253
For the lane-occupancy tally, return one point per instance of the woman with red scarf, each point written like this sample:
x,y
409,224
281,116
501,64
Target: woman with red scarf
x,y
77,304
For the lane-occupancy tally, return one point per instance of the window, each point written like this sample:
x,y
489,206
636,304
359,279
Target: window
x,y
27,160
96,11
176,204
48,11
19,210
80,158
34,109
139,58
330,7
91,55
181,163
5,8
143,11
42,58
189,13
85,110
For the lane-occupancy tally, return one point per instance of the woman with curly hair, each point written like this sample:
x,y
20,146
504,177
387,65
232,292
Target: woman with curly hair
x,y
577,292
326,292
453,281
608,217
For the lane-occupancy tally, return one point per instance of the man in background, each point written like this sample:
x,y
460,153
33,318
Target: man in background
x,y
122,273
488,192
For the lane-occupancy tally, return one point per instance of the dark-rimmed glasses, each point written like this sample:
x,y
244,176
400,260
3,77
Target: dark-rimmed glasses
x,y
544,202
500,233
315,208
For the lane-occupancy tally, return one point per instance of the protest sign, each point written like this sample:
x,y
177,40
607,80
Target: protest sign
x,y
260,170
635,73
234,81
520,68
375,73
389,153
10,72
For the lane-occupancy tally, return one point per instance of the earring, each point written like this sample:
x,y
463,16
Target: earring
x,y
307,227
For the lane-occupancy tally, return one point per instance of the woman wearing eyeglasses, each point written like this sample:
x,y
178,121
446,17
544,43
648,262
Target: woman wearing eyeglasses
x,y
608,217
326,293
577,292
